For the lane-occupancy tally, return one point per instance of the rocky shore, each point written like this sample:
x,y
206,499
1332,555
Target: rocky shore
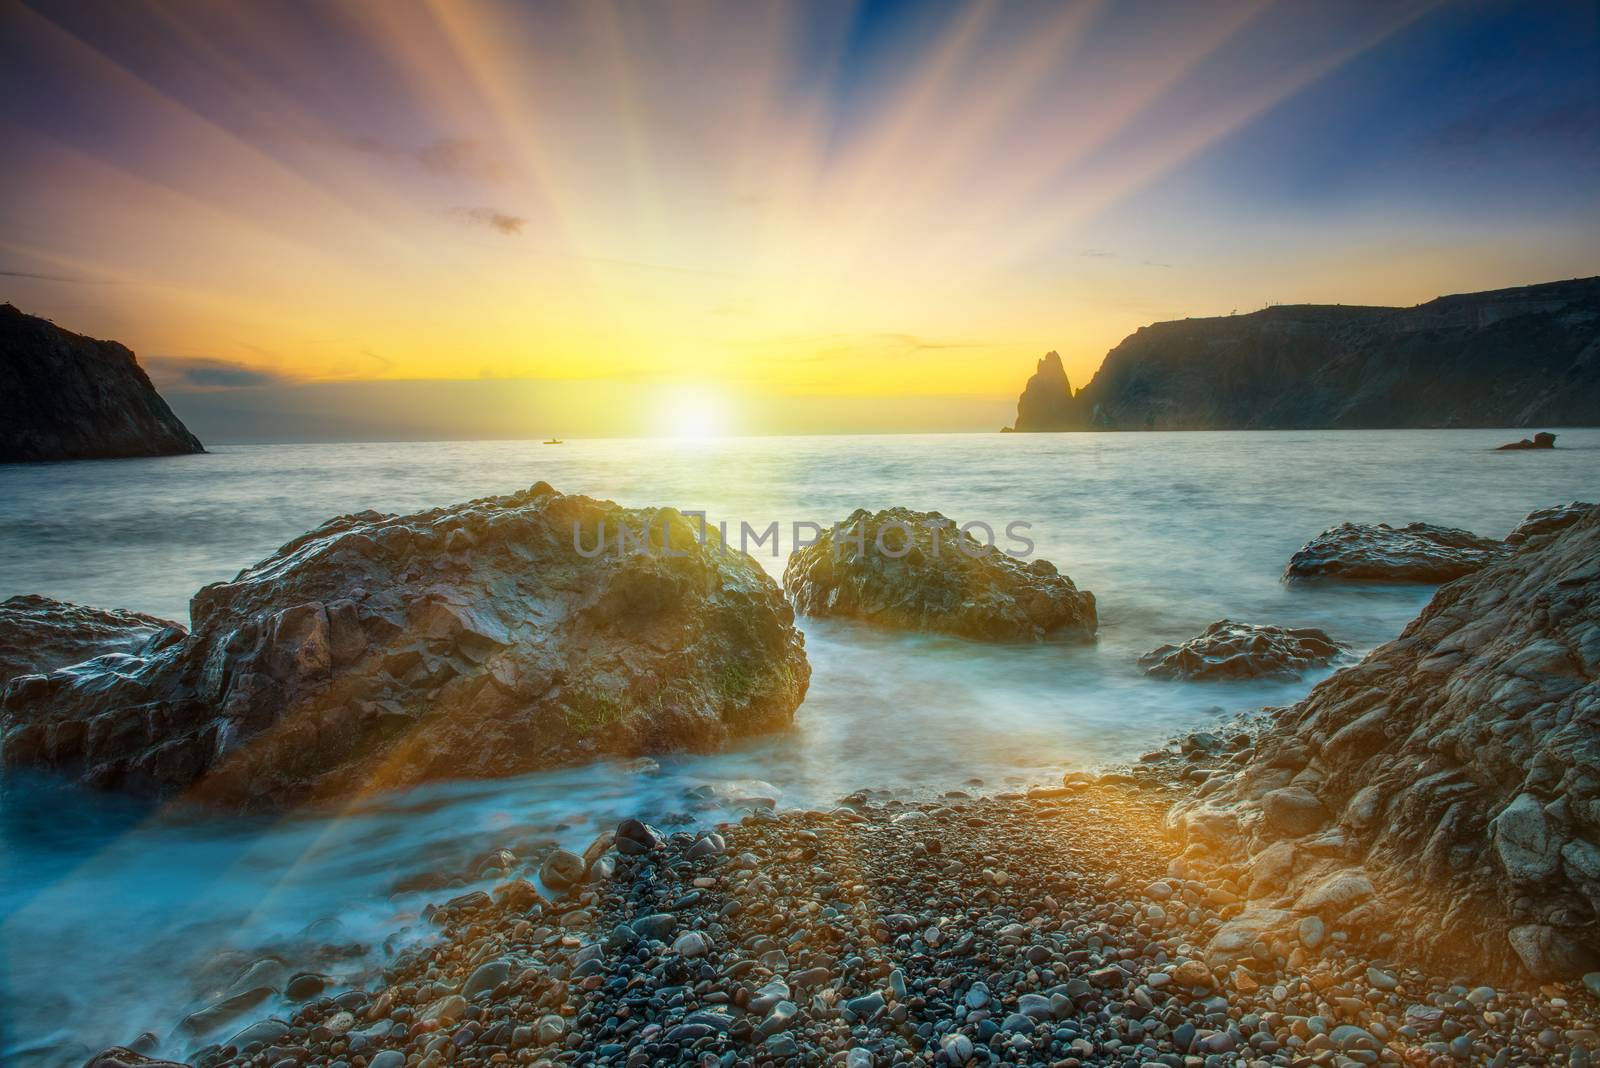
x,y
1398,869
1057,927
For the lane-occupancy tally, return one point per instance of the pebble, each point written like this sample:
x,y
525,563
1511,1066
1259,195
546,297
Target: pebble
x,y
816,938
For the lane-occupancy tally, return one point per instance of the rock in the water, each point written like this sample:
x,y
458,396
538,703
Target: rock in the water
x,y
1377,552
476,640
40,634
919,571
64,396
1542,440
1459,766
1230,650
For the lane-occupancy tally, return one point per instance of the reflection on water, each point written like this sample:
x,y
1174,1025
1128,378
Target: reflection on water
x,y
116,918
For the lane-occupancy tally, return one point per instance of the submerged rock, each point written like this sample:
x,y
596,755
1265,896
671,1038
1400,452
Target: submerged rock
x,y
1542,440
64,396
475,640
1231,650
919,571
1449,784
41,634
1377,552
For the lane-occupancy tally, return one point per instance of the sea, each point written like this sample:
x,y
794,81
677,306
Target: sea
x,y
118,917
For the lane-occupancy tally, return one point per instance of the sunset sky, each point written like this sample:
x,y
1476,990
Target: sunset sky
x,y
620,218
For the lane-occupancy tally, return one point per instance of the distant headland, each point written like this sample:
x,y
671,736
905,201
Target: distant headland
x,y
64,396
1509,357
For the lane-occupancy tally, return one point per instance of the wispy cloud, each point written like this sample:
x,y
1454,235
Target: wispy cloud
x,y
41,277
462,157
209,373
504,222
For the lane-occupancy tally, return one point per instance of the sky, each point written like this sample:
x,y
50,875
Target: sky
x,y
319,221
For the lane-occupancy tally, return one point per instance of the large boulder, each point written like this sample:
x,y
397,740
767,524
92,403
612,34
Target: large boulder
x,y
475,640
39,634
1232,650
1377,552
919,571
1445,790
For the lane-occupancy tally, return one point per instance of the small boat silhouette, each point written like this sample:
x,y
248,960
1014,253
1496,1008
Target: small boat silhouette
x,y
555,441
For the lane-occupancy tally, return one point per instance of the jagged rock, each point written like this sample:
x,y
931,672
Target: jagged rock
x,y
1046,401
1231,650
1460,766
1542,440
1543,523
64,396
123,1057
918,571
475,640
1510,357
1377,552
40,634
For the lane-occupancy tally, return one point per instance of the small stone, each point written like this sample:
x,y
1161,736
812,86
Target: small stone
x,y
485,978
691,944
1192,973
562,869
957,1048
658,926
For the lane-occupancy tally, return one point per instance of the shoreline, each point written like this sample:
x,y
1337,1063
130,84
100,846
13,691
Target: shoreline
x,y
1058,927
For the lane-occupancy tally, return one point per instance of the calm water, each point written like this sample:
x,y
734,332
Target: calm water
x,y
115,919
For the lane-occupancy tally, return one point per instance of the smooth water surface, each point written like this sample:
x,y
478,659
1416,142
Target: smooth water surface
x,y
116,918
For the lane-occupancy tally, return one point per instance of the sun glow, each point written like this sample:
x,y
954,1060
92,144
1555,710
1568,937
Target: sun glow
x,y
694,413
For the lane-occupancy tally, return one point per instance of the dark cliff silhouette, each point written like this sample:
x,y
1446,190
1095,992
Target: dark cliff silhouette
x,y
1510,357
64,396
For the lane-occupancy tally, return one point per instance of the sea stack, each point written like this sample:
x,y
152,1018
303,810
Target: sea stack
x,y
1046,402
64,396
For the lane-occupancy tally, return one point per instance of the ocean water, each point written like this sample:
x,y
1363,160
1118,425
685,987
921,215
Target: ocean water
x,y
117,917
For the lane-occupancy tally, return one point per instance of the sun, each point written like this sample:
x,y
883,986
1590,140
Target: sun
x,y
691,413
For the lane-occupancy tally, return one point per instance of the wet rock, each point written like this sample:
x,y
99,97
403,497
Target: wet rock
x,y
39,635
382,651
1231,650
1418,552
224,1011
919,571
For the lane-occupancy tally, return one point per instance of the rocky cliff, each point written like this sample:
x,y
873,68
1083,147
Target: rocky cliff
x,y
64,396
1510,357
